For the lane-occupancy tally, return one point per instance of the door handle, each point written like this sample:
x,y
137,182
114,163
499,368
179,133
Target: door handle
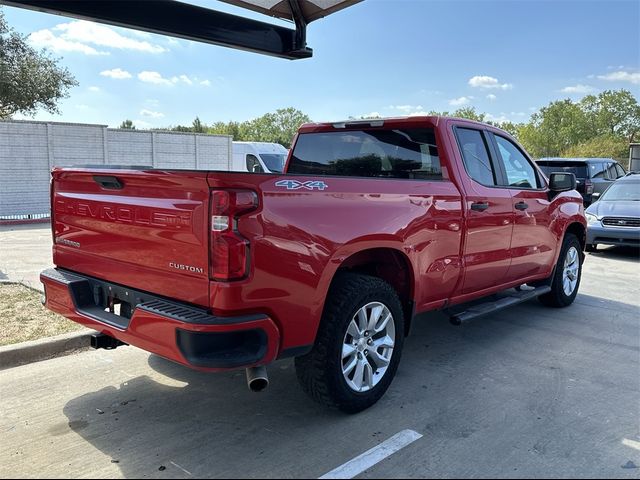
x,y
479,206
521,206
109,182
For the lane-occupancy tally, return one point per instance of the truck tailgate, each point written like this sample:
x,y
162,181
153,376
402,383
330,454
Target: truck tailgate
x,y
145,229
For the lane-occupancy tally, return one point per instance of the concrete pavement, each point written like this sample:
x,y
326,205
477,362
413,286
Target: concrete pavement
x,y
528,392
25,250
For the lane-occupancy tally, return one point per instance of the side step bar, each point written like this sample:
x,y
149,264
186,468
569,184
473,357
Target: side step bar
x,y
484,308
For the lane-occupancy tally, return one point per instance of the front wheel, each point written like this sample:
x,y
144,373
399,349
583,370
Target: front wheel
x,y
566,276
591,247
358,346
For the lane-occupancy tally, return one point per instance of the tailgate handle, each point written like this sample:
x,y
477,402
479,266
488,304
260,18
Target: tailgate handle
x,y
108,182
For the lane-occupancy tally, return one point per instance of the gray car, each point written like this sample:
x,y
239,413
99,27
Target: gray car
x,y
615,218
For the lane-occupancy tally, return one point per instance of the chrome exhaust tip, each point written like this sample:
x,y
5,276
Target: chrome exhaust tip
x,y
257,379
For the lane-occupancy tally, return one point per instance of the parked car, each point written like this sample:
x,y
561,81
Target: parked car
x,y
594,175
373,222
615,218
259,157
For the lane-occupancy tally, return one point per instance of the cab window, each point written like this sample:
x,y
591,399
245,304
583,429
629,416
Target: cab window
x,y
475,156
520,173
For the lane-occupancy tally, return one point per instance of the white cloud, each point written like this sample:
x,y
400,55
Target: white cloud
x,y
78,35
622,76
94,89
46,39
371,115
484,81
497,119
206,83
150,113
154,77
457,102
578,89
116,73
183,79
491,97
93,33
406,108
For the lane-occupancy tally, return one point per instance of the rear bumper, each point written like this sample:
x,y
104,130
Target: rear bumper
x,y
598,234
179,332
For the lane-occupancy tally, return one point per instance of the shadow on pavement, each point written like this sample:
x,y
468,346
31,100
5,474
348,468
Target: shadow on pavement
x,y
509,390
626,254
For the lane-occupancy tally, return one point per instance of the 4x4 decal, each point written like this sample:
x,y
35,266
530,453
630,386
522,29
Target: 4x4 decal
x,y
297,185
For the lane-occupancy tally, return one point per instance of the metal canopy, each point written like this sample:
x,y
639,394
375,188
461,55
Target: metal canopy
x,y
184,20
311,9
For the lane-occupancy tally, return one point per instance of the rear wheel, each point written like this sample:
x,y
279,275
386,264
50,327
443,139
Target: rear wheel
x,y
358,346
567,274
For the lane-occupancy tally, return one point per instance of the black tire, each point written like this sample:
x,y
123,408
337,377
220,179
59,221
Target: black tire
x,y
320,371
591,247
557,297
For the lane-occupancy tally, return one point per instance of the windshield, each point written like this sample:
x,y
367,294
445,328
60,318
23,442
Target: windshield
x,y
274,161
621,191
578,169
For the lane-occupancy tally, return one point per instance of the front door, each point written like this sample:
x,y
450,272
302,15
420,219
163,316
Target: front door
x,y
533,244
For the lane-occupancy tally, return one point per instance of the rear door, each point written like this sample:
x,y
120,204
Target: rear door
x,y
145,229
489,214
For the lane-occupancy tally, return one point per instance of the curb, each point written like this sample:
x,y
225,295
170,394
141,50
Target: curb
x,y
44,349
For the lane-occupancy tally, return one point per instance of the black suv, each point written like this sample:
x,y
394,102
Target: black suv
x,y
594,175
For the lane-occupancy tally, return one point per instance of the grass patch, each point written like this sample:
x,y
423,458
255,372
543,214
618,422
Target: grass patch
x,y
22,317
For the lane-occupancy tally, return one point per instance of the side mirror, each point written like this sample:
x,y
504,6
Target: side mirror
x,y
562,182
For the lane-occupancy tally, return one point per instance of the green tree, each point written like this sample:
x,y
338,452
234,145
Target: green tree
x,y
29,79
127,125
606,146
197,126
279,126
613,113
555,128
469,113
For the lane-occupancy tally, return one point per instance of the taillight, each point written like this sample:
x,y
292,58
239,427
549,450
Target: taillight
x,y
229,249
588,187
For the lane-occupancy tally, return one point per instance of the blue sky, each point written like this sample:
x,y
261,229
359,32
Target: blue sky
x,y
390,57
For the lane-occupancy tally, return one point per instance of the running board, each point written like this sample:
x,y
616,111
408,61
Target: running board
x,y
518,296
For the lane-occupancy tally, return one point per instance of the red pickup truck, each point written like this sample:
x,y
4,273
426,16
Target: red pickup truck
x,y
372,223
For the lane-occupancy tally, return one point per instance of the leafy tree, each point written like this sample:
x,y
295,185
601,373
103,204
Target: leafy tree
x,y
614,113
197,126
127,125
555,128
279,127
29,79
469,113
607,146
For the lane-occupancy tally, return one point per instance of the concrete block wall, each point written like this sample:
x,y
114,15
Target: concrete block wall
x,y
28,151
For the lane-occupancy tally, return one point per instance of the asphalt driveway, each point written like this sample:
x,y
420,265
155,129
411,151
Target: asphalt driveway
x,y
528,392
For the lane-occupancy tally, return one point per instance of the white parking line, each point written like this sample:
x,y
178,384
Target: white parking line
x,y
371,457
631,443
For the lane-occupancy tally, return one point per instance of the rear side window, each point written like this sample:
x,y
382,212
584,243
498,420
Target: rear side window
x,y
475,155
578,169
597,170
620,170
402,153
520,173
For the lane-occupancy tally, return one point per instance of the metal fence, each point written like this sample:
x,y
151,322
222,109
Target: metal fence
x,y
29,150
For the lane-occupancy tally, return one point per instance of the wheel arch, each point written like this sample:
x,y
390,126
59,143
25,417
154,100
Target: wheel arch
x,y
390,265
